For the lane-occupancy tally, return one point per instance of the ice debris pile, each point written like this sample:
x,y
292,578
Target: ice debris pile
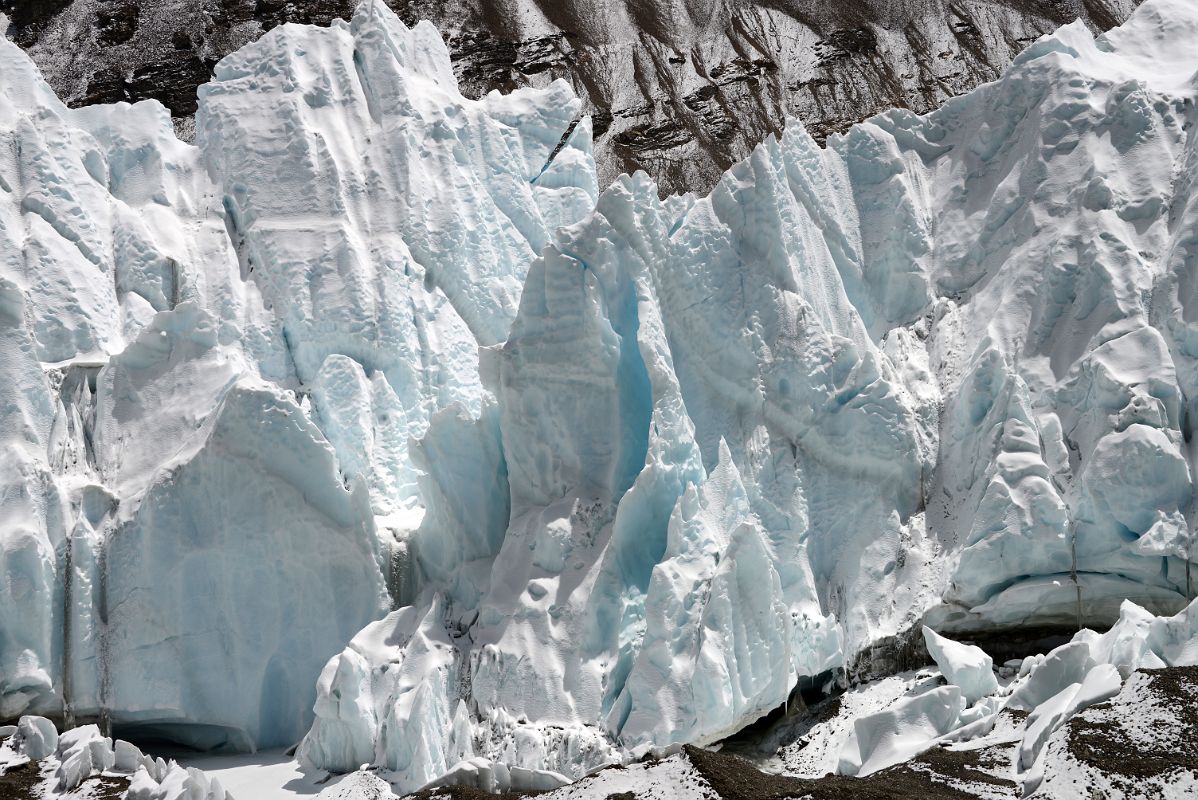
x,y
1021,710
628,470
69,761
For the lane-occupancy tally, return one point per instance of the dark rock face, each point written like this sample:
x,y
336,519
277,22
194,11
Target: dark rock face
x,y
679,88
31,15
117,23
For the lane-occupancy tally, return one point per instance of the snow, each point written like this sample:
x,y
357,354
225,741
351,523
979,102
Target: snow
x,y
624,471
265,775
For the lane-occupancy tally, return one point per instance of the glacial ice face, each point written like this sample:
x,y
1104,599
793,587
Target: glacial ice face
x,y
215,360
931,371
632,468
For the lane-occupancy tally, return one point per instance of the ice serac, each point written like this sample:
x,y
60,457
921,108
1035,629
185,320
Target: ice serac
x,y
633,469
395,242
908,727
215,359
1082,385
941,370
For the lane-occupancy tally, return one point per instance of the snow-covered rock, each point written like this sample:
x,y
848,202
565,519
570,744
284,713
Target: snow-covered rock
x,y
673,777
1076,721
1134,746
679,88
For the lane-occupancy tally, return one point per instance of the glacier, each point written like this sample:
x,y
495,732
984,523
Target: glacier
x,y
215,358
1023,716
940,371
579,476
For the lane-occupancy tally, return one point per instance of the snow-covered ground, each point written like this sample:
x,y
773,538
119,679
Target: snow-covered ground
x,y
265,775
623,470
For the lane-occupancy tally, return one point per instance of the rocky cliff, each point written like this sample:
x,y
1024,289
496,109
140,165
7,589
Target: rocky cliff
x,y
679,88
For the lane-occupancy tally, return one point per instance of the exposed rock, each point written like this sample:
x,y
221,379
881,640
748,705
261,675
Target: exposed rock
x,y
1139,744
681,90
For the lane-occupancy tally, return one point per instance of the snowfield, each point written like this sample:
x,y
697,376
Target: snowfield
x,y
367,424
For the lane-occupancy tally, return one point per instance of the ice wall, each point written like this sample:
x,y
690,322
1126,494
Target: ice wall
x,y
215,359
943,369
631,468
